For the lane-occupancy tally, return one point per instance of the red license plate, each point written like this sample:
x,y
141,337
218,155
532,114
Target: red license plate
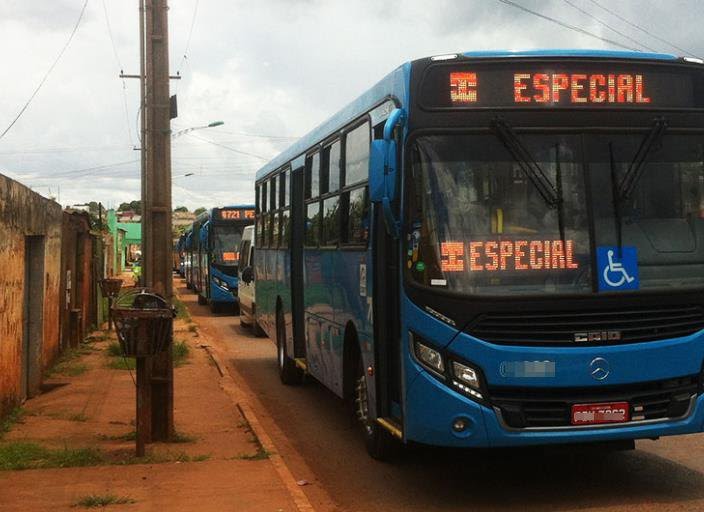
x,y
593,414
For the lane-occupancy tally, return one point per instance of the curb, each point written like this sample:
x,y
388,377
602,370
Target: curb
x,y
227,383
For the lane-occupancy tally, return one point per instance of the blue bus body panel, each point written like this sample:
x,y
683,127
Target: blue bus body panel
x,y
218,294
432,406
569,53
395,84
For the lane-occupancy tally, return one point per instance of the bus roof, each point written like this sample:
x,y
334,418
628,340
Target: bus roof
x,y
396,84
560,52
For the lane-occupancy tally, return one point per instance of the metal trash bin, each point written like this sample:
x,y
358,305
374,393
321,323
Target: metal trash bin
x,y
143,322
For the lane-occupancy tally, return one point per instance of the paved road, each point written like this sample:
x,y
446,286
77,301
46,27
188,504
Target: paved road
x,y
316,437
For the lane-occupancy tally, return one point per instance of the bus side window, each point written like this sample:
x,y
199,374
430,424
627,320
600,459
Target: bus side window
x,y
275,229
285,228
257,191
312,228
356,217
312,184
357,155
330,170
264,196
331,221
272,192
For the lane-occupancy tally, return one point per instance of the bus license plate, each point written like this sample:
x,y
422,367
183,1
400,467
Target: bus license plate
x,y
593,414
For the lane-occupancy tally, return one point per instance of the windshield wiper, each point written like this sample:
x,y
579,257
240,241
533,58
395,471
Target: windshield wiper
x,y
635,170
527,163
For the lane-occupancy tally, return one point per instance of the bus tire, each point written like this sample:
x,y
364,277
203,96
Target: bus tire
x,y
202,300
380,444
289,373
214,307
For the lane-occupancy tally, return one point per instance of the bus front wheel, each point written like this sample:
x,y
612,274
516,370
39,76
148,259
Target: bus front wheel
x,y
289,373
380,444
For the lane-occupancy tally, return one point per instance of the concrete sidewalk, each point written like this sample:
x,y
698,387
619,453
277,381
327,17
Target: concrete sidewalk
x,y
85,419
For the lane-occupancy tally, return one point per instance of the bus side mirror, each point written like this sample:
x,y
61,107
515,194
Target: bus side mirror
x,y
248,275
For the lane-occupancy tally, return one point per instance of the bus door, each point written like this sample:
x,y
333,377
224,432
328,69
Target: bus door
x,y
296,271
386,312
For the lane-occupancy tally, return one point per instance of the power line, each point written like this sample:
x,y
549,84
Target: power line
x,y
190,34
51,68
227,147
119,64
645,31
602,22
566,25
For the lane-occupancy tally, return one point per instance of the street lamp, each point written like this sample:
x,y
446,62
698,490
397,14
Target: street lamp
x,y
193,128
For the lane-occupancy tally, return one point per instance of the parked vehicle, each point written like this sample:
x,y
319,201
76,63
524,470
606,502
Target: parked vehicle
x,y
213,253
497,249
246,281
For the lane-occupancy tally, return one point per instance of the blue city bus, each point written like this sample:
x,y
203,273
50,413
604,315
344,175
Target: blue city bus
x,y
216,236
179,254
188,257
497,249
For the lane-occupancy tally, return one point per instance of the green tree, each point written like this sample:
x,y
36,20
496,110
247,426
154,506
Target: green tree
x,y
135,206
180,209
198,211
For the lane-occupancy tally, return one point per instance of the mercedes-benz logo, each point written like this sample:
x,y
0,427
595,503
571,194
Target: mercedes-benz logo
x,y
599,368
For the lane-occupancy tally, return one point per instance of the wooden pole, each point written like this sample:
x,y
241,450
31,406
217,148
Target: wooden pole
x,y
156,203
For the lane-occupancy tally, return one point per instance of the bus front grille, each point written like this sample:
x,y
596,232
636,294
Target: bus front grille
x,y
611,326
526,407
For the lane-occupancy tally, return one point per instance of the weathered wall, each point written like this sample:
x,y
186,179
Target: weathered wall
x,y
25,213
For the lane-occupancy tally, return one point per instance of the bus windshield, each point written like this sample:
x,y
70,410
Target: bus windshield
x,y
479,223
225,244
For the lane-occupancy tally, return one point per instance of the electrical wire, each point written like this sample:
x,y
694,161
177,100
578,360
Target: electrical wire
x,y
119,65
227,147
603,23
190,34
645,31
51,68
566,25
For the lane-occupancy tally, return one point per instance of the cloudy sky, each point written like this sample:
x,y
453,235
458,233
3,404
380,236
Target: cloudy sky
x,y
270,69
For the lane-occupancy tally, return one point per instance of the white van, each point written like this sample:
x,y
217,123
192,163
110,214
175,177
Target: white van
x,y
245,285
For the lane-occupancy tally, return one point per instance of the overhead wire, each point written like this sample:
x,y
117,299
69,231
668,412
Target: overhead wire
x,y
566,25
605,24
644,30
46,75
119,65
190,35
227,147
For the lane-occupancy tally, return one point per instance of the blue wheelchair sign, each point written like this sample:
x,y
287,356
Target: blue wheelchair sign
x,y
617,268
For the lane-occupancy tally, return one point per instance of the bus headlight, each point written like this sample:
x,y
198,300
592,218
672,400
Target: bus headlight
x,y
467,379
428,357
220,282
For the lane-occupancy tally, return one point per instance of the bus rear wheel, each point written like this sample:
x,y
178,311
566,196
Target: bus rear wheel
x,y
289,373
380,444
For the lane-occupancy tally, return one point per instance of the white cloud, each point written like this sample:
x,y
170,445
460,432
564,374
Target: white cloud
x,y
272,67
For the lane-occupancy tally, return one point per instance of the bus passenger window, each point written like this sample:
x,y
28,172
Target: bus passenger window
x,y
312,224
330,173
264,196
285,228
274,230
313,176
287,187
272,185
356,229
331,221
283,189
257,192
357,155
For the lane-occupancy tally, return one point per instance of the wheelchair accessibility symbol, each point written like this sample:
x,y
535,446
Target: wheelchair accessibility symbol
x,y
618,268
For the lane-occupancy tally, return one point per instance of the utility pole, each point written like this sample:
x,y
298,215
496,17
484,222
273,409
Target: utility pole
x,y
156,199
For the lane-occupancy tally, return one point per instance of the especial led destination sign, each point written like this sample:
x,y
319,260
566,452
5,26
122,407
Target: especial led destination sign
x,y
571,85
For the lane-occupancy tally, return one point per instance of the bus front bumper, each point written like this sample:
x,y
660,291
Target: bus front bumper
x,y
432,409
